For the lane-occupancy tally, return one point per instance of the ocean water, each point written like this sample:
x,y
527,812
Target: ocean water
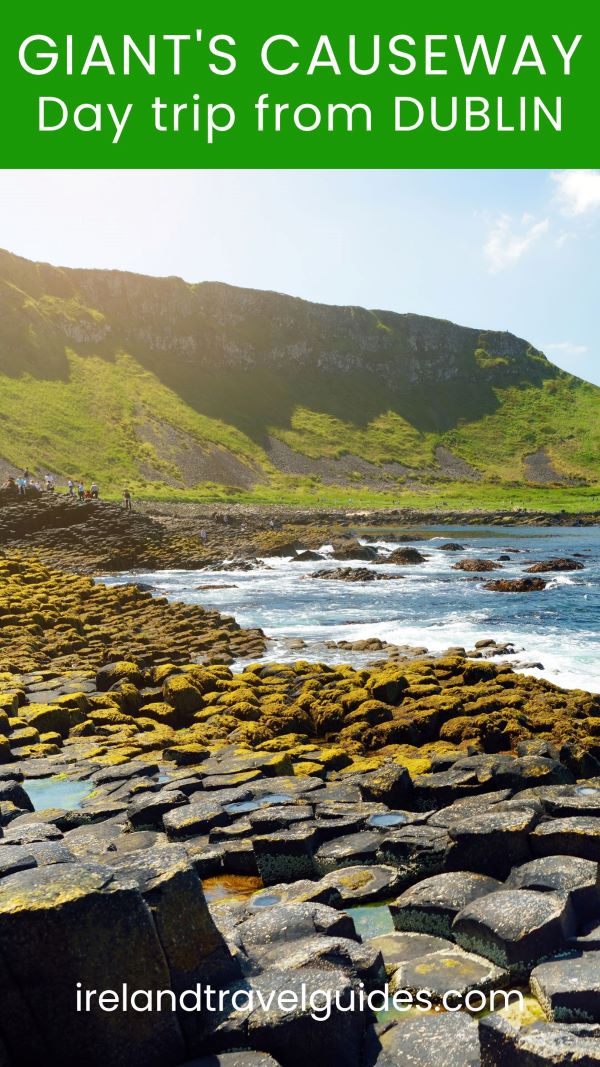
x,y
431,606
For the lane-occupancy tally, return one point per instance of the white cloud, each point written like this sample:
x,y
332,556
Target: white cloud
x,y
509,239
566,348
578,191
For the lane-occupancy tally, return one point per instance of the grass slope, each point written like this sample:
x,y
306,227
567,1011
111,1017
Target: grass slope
x,y
102,375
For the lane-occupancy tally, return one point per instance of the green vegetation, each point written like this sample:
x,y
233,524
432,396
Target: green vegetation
x,y
209,392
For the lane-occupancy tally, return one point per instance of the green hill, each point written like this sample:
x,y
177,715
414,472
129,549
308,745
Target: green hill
x,y
210,390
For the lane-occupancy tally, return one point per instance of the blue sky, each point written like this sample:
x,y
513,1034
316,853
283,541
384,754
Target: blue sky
x,y
516,250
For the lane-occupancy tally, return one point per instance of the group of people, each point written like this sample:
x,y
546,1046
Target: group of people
x,y
75,488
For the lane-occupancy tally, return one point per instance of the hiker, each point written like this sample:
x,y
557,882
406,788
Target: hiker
x,y
81,491
71,487
26,475
49,482
94,491
21,485
127,499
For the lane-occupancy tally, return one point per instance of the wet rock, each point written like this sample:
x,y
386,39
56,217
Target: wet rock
x,y
452,546
516,585
539,1045
405,556
362,884
351,574
557,563
516,929
448,971
476,565
569,990
431,905
354,550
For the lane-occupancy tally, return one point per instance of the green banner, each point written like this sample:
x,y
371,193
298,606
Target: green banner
x,y
309,85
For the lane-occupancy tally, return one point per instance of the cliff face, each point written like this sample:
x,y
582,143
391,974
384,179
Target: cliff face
x,y
215,328
253,360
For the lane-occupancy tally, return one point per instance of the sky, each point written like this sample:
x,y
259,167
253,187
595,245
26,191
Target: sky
x,y
505,249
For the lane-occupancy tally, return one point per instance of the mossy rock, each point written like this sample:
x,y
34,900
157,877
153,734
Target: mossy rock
x,y
388,685
120,671
181,692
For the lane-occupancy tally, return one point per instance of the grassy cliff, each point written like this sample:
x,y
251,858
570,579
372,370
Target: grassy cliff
x,y
211,391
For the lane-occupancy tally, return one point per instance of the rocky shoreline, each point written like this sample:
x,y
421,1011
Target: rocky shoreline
x,y
430,823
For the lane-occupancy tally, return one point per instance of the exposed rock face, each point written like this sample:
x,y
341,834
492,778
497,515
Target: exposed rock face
x,y
352,574
516,585
556,564
475,565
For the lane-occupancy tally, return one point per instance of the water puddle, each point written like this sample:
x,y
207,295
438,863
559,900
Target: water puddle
x,y
230,888
56,793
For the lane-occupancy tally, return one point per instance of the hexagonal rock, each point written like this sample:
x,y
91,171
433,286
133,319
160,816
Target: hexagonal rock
x,y
196,818
574,836
491,843
539,1045
243,1058
516,929
293,1036
431,906
569,989
562,874
401,947
61,925
417,852
362,884
429,1041
348,851
301,892
362,962
286,855
147,810
390,784
448,971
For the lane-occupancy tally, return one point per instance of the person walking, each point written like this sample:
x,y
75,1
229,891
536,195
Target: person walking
x,y
81,491
21,485
71,487
127,499
94,491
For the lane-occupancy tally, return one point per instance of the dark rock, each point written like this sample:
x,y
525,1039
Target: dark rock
x,y
286,855
431,906
348,851
569,990
555,564
579,878
362,884
430,1040
540,1045
475,565
516,929
405,556
146,811
417,851
491,843
575,836
516,585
